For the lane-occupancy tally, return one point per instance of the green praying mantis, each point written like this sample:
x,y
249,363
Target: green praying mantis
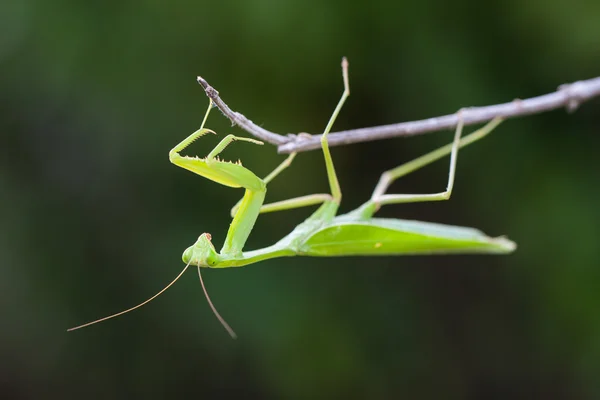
x,y
325,234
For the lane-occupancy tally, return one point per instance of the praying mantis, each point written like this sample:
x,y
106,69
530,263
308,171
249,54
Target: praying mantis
x,y
325,234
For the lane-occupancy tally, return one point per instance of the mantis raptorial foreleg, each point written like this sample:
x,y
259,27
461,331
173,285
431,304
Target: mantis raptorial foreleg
x,y
227,174
226,142
194,136
379,197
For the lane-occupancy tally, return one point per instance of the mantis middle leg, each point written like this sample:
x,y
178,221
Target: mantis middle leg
x,y
289,204
313,199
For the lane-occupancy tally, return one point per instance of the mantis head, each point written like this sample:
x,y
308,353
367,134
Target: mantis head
x,y
202,253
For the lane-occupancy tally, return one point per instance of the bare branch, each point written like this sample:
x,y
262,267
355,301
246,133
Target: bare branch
x,y
239,119
569,96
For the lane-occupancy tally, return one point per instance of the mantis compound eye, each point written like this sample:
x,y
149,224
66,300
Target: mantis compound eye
x,y
187,255
209,256
211,260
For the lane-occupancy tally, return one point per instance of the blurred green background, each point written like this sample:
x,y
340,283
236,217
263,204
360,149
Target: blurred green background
x,y
94,218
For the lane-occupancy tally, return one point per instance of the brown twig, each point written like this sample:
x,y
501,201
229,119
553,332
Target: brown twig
x,y
569,96
239,119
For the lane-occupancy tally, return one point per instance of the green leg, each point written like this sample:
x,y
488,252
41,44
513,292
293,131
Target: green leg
x,y
334,184
309,200
286,163
289,204
296,202
379,197
203,131
194,136
226,141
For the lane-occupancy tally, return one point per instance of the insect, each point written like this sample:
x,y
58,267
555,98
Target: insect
x,y
324,233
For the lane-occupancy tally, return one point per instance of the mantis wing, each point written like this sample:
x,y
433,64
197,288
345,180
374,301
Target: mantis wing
x,y
381,236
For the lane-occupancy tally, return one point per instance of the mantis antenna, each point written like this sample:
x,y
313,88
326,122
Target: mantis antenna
x,y
210,303
214,309
139,305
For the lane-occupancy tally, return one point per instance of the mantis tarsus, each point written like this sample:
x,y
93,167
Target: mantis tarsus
x,y
324,233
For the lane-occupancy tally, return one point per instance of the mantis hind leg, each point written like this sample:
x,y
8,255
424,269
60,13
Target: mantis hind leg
x,y
379,197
